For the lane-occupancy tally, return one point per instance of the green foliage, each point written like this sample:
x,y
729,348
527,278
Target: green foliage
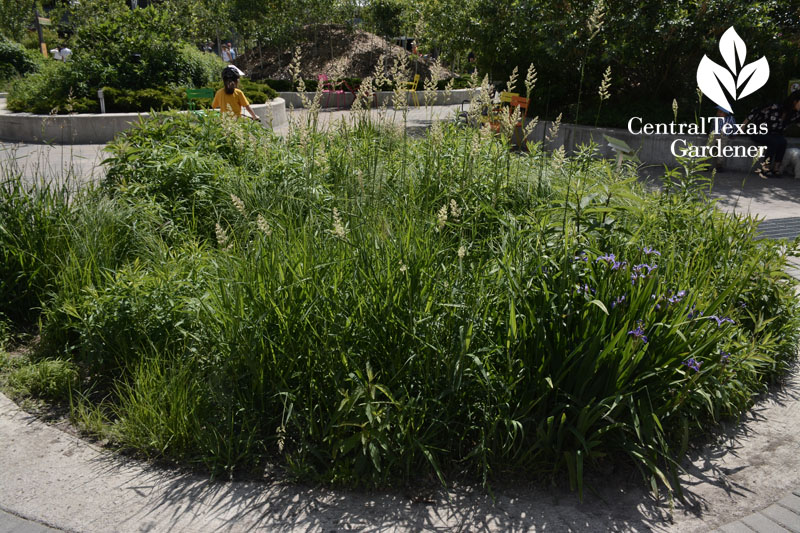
x,y
68,87
257,92
135,51
653,49
126,49
385,17
5,335
15,60
367,308
123,101
15,16
48,91
30,40
49,379
31,228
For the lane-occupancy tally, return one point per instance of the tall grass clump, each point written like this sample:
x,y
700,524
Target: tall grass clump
x,y
363,307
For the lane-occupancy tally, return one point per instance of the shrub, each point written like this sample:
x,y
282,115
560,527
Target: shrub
x,y
135,49
47,91
202,68
117,100
108,326
131,50
256,92
15,60
124,101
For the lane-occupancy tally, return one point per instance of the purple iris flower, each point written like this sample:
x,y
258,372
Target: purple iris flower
x,y
644,266
610,258
638,332
693,364
721,320
638,272
647,251
586,289
692,313
677,298
619,300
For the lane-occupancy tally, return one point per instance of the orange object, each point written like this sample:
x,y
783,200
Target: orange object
x,y
513,101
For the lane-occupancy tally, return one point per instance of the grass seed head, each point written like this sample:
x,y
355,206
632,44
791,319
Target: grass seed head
x,y
238,204
605,84
339,231
455,211
530,80
263,226
441,218
553,131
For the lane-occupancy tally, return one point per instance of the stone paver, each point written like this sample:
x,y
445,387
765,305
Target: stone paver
x,y
783,516
735,527
781,228
792,502
761,524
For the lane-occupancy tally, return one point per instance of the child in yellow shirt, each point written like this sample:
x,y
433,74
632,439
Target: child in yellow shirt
x,y
230,99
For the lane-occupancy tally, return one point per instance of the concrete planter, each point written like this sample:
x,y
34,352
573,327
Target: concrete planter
x,y
456,96
99,128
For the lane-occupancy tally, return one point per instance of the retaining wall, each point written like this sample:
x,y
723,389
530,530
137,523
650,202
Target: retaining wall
x,y
97,128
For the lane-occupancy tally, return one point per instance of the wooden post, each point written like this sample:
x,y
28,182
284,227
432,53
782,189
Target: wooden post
x,y
42,44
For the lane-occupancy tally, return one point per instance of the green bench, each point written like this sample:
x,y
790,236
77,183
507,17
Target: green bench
x,y
193,95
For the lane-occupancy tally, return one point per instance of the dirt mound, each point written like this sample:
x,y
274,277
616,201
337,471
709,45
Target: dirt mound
x,y
334,50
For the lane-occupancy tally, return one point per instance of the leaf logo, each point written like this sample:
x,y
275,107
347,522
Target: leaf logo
x,y
715,80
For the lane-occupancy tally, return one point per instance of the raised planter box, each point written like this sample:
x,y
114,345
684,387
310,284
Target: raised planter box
x,y
98,128
456,96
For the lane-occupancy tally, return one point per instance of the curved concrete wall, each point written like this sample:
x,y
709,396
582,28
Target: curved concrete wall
x,y
100,128
456,96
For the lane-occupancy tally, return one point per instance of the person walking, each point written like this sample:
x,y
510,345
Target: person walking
x,y
773,121
226,53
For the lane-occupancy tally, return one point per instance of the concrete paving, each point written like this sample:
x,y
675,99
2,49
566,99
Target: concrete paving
x,y
10,523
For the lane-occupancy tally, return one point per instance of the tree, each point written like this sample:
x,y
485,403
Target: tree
x,y
15,17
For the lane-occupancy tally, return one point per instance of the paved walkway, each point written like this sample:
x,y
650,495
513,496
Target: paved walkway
x,y
751,476
10,523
